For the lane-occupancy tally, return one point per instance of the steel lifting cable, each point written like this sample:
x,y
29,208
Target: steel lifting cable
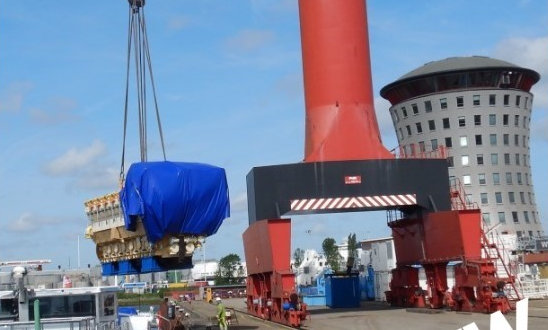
x,y
137,37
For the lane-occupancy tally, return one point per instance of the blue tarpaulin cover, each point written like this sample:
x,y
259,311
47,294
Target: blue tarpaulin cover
x,y
175,198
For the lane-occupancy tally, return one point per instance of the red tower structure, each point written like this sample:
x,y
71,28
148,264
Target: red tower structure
x,y
341,123
346,169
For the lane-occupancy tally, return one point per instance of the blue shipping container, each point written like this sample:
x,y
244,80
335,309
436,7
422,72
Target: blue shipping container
x,y
342,291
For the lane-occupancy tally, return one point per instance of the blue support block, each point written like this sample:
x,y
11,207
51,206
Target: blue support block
x,y
144,265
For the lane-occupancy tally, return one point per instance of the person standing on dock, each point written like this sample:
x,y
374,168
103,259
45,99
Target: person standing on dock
x,y
221,314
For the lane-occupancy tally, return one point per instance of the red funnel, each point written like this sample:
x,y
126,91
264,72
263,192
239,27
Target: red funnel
x,y
340,116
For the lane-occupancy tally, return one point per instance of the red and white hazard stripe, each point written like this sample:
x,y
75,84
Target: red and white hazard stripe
x,y
333,203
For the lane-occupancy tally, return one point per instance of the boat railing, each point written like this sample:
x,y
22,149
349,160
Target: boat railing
x,y
70,323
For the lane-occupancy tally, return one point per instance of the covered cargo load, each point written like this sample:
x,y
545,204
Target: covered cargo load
x,y
175,198
160,216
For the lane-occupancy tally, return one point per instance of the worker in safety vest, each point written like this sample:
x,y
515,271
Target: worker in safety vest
x,y
221,314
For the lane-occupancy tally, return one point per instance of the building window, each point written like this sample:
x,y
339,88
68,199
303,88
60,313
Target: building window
x,y
511,197
446,124
449,142
408,128
522,197
517,159
508,178
404,112
479,140
466,180
432,125
486,218
494,159
421,146
505,120
525,141
464,160
516,140
484,199
481,178
477,120
476,100
506,100
479,159
419,128
496,178
502,218
516,120
434,144
493,139
462,121
427,106
460,102
415,108
463,141
450,161
498,197
506,159
524,121
518,99
506,139
526,216
492,99
525,105
492,119
515,216
518,177
443,103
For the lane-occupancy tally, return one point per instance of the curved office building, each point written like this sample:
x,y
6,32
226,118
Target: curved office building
x,y
480,108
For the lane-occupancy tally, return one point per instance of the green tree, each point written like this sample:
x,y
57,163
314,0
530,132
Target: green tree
x,y
352,248
228,266
332,255
298,257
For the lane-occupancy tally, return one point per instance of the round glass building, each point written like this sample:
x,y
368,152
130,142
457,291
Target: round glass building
x,y
480,109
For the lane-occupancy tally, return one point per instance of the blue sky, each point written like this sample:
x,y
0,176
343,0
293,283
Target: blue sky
x,y
229,84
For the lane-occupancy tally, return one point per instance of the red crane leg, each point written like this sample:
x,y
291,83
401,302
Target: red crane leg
x,y
271,291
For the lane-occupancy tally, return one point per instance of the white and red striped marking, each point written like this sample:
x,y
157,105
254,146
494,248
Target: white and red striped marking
x,y
333,203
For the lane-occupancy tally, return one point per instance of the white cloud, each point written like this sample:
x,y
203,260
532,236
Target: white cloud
x,y
75,160
249,40
238,203
25,223
62,111
97,177
12,98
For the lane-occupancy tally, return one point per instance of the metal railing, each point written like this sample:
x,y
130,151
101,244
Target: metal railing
x,y
72,323
414,151
534,289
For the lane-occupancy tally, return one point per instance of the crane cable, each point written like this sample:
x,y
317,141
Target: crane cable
x,y
137,37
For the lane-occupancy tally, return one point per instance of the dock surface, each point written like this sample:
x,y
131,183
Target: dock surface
x,y
370,316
